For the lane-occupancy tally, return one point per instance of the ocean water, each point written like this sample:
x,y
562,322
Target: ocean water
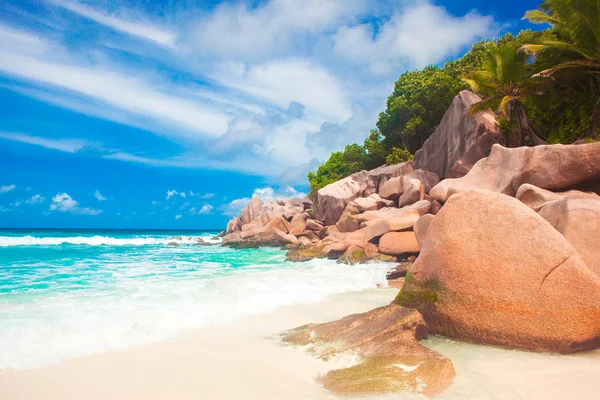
x,y
68,293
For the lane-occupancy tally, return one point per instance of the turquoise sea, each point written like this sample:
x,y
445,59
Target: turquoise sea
x,y
70,293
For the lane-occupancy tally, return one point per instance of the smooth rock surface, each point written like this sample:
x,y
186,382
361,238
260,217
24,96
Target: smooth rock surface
x,y
332,199
460,139
386,338
554,167
398,243
493,271
578,219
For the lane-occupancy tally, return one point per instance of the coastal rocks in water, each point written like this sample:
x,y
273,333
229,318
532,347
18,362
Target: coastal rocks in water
x,y
400,270
332,199
553,167
250,211
306,253
395,187
379,176
358,255
173,244
420,228
386,339
460,140
493,271
234,225
398,243
578,219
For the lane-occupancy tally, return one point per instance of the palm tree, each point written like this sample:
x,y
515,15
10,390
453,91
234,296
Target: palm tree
x,y
574,40
504,81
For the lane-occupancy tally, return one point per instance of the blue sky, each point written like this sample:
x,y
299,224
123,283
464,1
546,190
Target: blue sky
x,y
147,114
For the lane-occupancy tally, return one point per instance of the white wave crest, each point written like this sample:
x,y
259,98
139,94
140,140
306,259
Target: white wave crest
x,y
8,241
135,312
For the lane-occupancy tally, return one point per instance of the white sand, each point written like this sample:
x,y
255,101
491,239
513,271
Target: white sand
x,y
243,360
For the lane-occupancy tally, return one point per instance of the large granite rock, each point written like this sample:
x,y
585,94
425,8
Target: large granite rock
x,y
554,167
578,219
378,176
421,227
395,219
250,211
386,339
415,191
493,271
460,139
399,243
234,225
332,199
396,186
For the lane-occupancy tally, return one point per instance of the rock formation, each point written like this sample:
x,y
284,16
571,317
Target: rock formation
x,y
460,139
493,271
386,339
553,167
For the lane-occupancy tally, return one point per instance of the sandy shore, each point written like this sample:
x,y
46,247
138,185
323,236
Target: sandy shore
x,y
244,360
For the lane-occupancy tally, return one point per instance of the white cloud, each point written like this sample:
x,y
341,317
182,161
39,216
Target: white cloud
x,y
141,29
204,196
266,194
64,203
7,188
16,203
206,209
419,34
155,203
178,216
66,145
236,31
171,193
36,199
99,196
287,81
267,89
116,86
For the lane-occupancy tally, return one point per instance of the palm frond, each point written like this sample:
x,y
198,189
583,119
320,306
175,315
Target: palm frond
x,y
488,104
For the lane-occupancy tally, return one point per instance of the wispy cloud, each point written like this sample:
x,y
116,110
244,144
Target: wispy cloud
x,y
64,203
171,193
141,29
7,188
36,199
66,145
114,85
265,88
99,196
178,216
206,209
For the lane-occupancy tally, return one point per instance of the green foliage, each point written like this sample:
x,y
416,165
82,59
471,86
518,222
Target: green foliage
x,y
332,170
504,81
539,83
570,50
398,155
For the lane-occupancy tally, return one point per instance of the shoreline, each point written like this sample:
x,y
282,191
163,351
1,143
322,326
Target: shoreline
x,y
245,359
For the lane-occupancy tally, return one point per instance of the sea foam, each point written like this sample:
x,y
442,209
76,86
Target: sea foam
x,y
8,241
136,297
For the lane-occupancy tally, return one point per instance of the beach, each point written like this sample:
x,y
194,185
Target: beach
x,y
244,359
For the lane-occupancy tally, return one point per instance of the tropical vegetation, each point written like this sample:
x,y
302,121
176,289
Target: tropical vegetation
x,y
544,87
